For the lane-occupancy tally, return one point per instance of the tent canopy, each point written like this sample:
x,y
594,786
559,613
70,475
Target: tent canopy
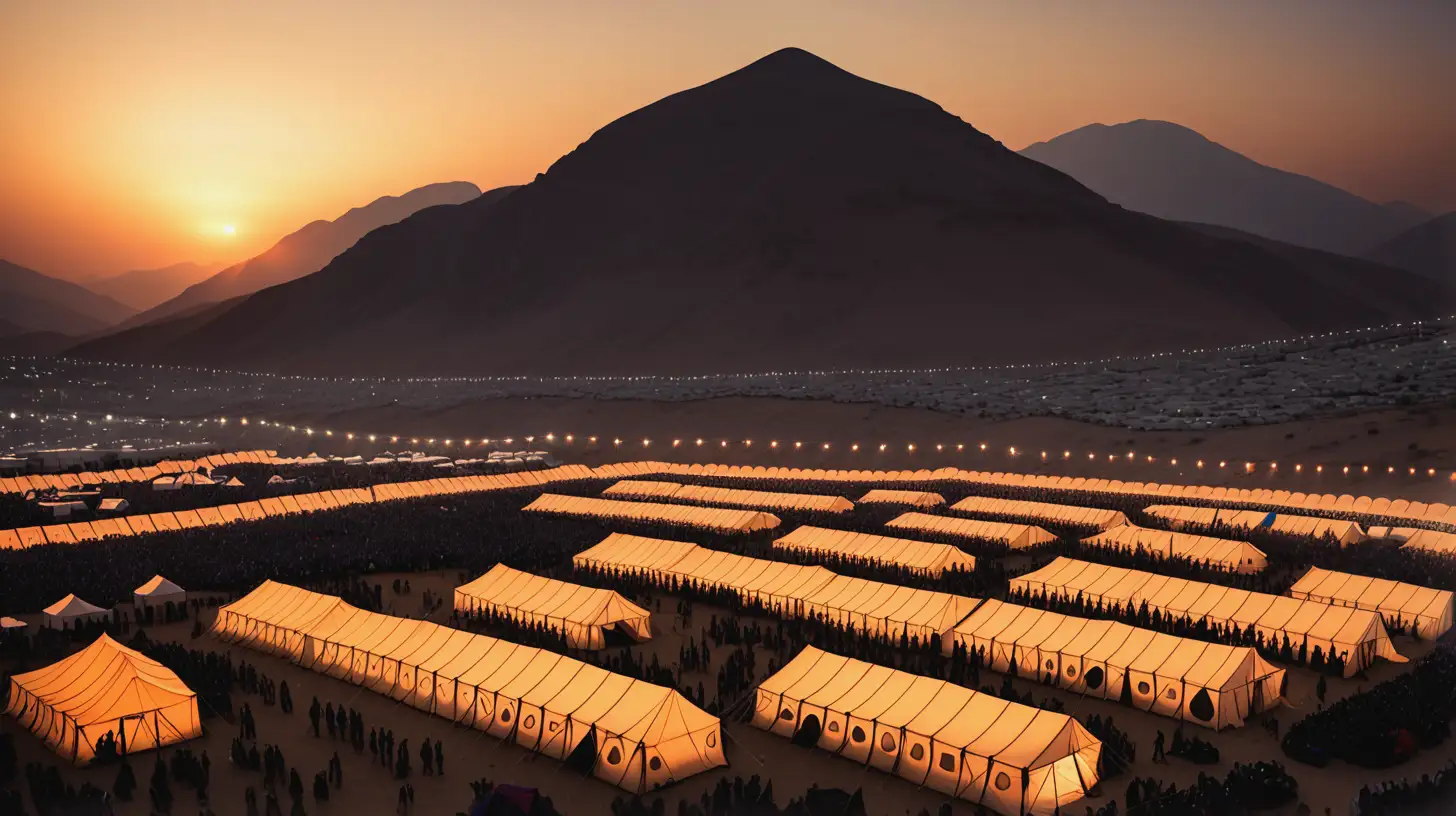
x,y
1238,556
1428,609
1359,634
158,590
644,735
1014,536
913,498
1009,757
1344,532
918,556
712,518
1050,513
105,687
581,613
71,608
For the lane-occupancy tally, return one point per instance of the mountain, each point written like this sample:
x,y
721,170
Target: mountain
x,y
787,216
1169,171
144,288
311,248
32,302
1428,249
1406,214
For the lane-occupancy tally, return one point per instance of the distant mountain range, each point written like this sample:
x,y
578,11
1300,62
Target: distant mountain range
x,y
1172,172
309,249
32,302
789,215
1427,249
144,288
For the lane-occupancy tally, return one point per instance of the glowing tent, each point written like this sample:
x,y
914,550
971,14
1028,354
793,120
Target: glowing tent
x,y
1205,683
583,614
912,498
158,592
1359,634
1014,536
1009,757
71,610
711,518
1237,556
918,556
1344,532
1428,609
634,734
1418,539
638,489
105,687
763,499
1066,514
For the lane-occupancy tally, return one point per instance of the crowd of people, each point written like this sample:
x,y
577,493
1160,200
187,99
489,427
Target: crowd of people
x,y
1394,798
1253,787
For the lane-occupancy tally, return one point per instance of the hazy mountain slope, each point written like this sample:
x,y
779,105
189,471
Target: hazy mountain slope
x,y
144,288
31,302
1428,249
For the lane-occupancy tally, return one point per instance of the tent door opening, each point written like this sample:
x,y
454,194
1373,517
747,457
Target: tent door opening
x,y
809,731
583,758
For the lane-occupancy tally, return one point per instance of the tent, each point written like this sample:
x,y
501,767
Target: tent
x,y
913,498
720,519
634,734
194,479
158,592
1191,680
71,610
1012,758
917,556
233,482
9,624
114,505
1344,532
1236,556
1359,634
1062,514
164,483
62,509
763,499
1429,610
1418,539
104,688
583,614
638,489
1014,536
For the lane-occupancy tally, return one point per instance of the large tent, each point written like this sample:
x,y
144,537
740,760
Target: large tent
x,y
1064,514
912,498
730,497
1012,758
1236,556
1359,634
640,489
917,556
1014,536
1344,532
158,591
583,614
1417,539
103,688
725,520
634,734
1205,683
1429,610
792,590
70,610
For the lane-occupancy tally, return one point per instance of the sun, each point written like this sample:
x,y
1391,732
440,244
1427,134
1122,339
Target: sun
x,y
229,229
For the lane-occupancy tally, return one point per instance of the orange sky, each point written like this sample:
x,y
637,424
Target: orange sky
x,y
132,133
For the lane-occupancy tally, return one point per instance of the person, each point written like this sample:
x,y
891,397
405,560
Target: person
x,y
314,711
439,758
427,758
285,698
403,806
1158,744
1320,688
320,788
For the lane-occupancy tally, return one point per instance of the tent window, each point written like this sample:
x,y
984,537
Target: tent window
x,y
552,726
858,734
1171,693
614,756
1050,665
834,727
1202,706
1002,781
917,752
1143,687
947,762
530,721
505,715
1094,677
1071,671
655,763
887,742
712,738
786,714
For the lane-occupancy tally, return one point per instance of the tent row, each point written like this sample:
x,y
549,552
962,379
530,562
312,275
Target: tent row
x,y
1205,683
636,735
1345,532
728,497
917,556
908,498
284,505
1358,634
720,519
1009,757
1014,536
584,615
1057,514
1236,556
66,481
1428,609
792,590
1417,539
105,688
1294,501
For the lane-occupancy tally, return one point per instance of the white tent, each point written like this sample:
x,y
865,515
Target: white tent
x,y
71,610
727,520
913,498
1012,758
233,482
157,592
1429,609
103,688
918,556
1237,556
194,479
1067,514
1342,531
164,483
1014,536
584,614
62,509
10,624
114,505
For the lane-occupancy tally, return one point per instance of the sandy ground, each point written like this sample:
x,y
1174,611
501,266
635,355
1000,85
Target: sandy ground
x,y
1421,438
470,754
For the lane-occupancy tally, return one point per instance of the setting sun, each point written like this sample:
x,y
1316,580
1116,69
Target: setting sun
x,y
229,229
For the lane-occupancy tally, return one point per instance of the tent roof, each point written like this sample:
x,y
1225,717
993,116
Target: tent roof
x,y
1015,536
1240,555
914,498
71,607
725,519
915,555
1430,608
105,682
1054,513
548,597
159,586
8,622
